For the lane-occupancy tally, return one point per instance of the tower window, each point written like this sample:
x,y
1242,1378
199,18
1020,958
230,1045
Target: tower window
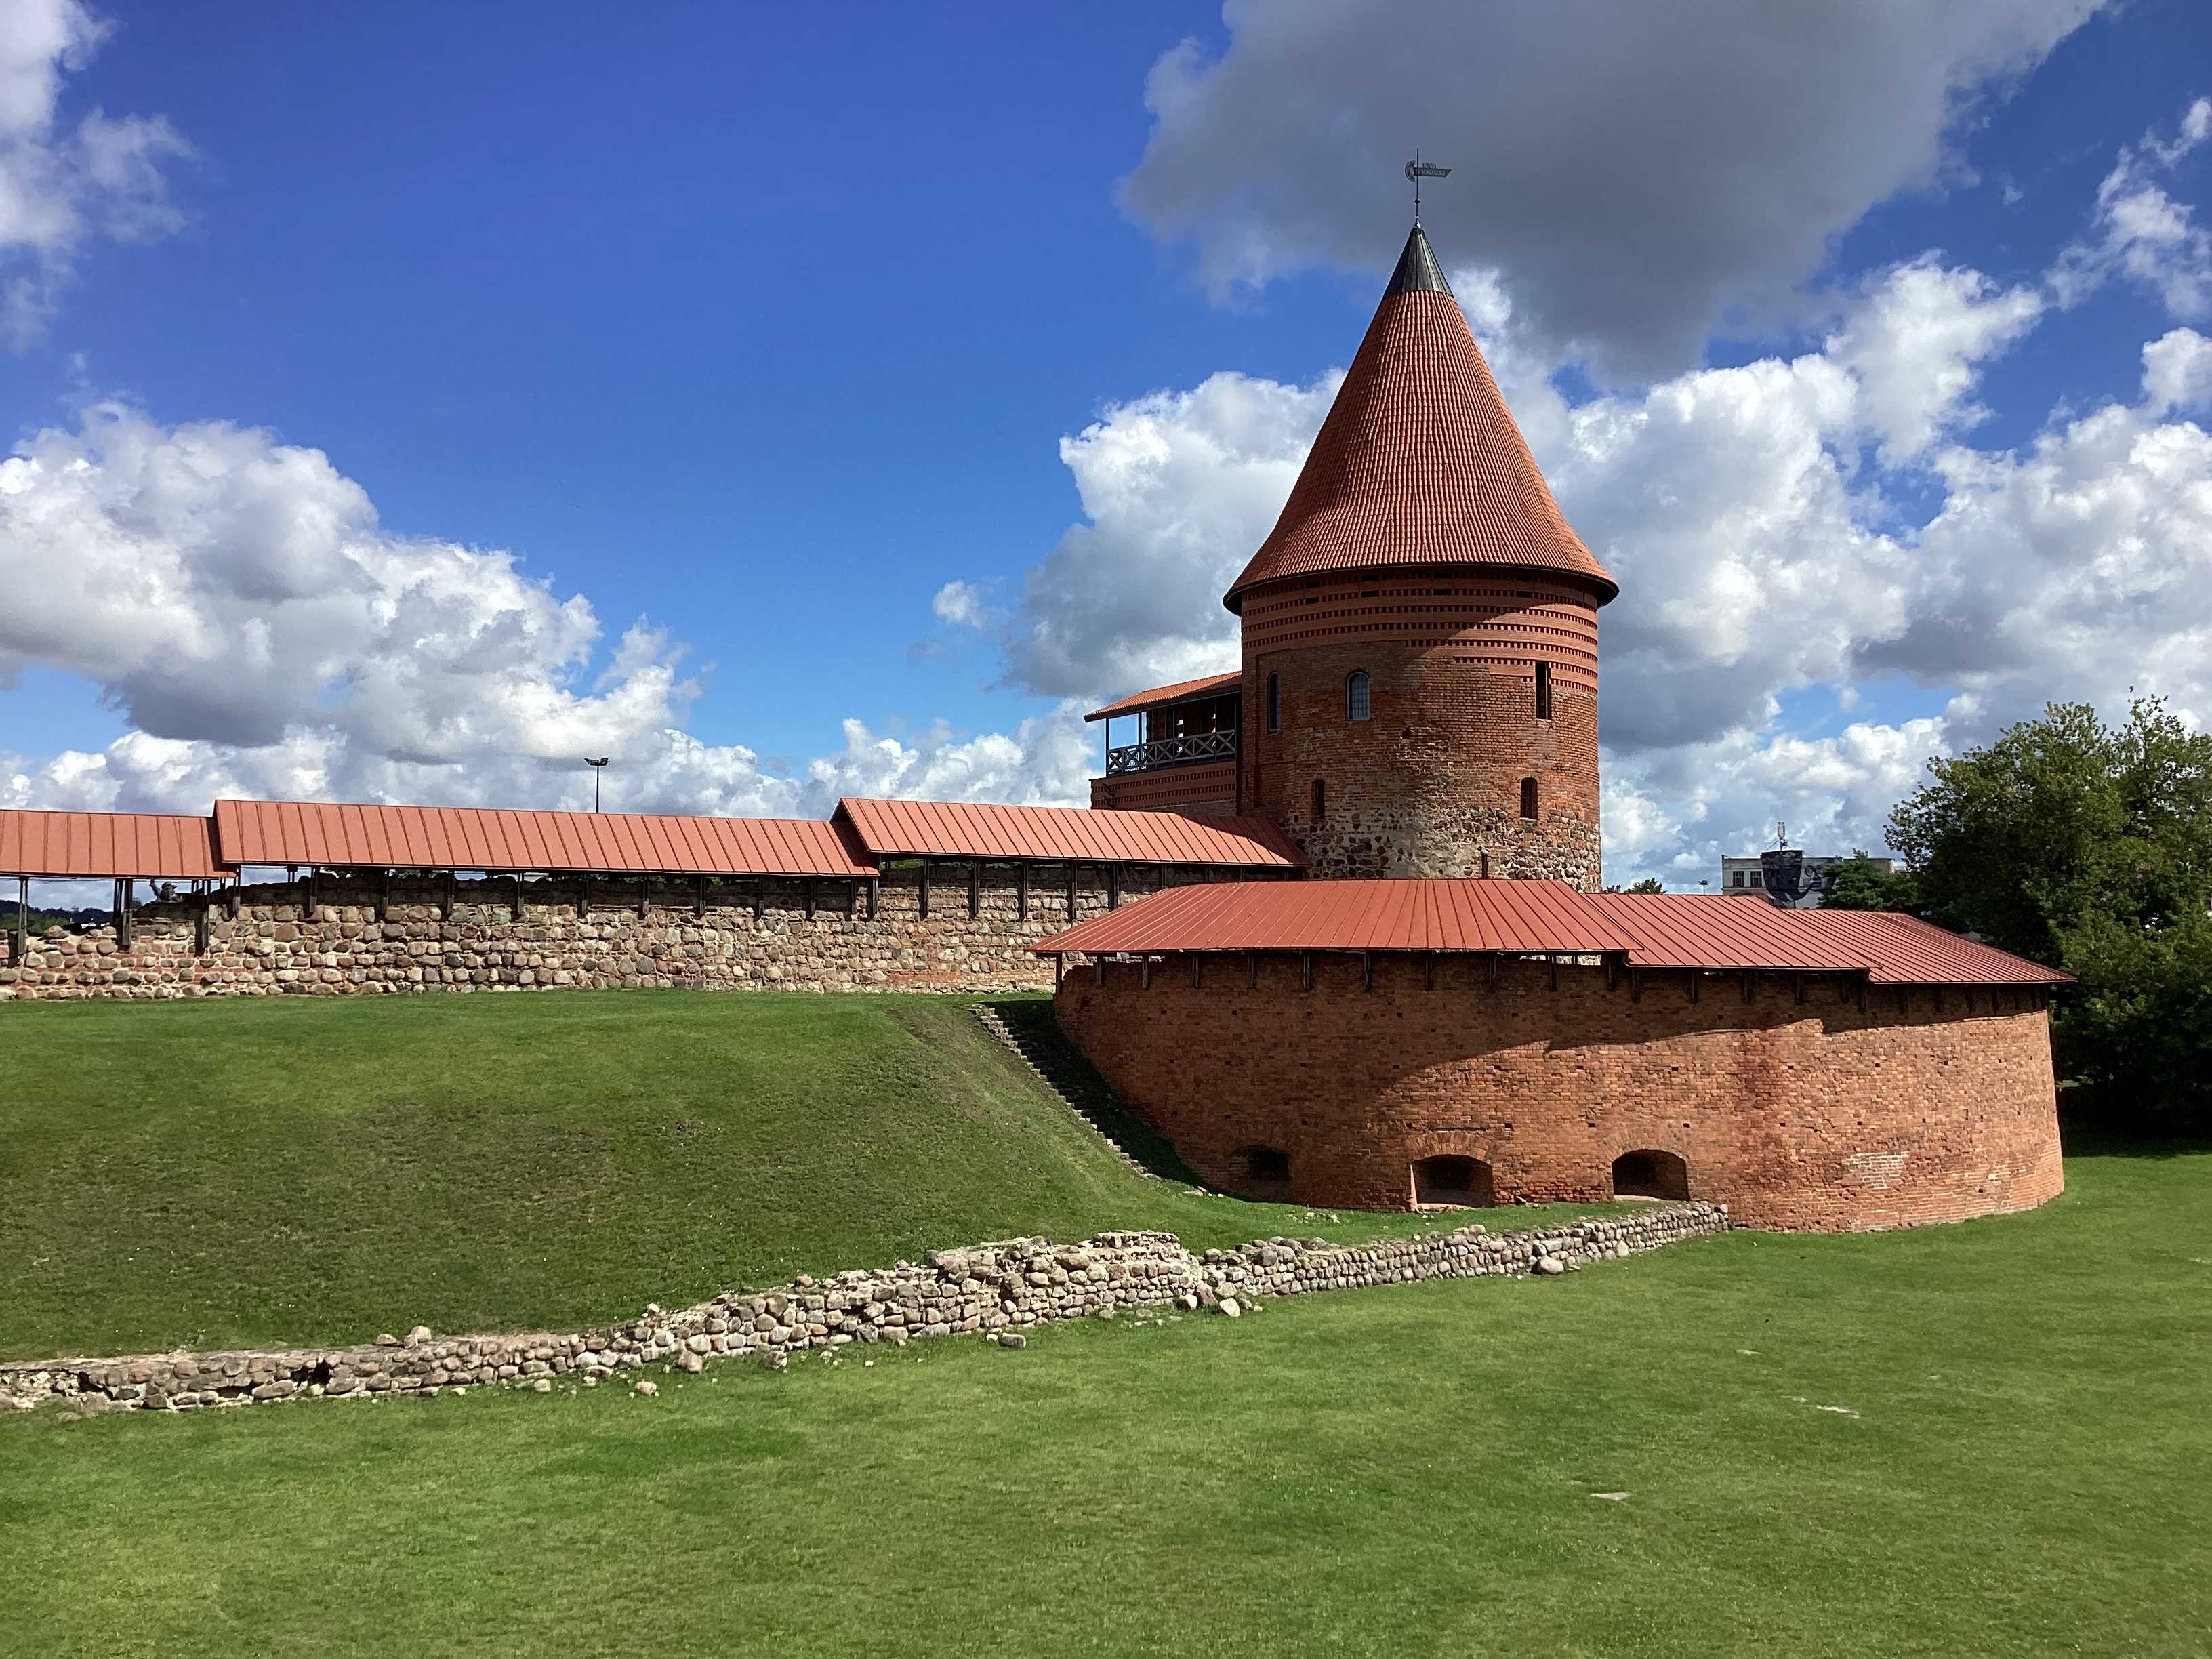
x,y
1320,800
1529,798
1355,695
1543,690
1274,702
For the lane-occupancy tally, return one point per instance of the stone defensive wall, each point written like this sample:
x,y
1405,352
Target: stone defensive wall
x,y
997,1289
1799,1102
955,926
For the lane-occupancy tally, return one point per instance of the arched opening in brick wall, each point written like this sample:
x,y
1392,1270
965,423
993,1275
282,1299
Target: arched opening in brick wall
x,y
1650,1175
1529,798
1260,1171
1452,1180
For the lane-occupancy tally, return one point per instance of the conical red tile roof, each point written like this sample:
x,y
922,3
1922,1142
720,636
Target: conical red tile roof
x,y
1419,462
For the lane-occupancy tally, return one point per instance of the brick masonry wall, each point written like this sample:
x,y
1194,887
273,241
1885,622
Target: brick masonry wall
x,y
274,949
1821,1115
1429,784
998,1289
1203,787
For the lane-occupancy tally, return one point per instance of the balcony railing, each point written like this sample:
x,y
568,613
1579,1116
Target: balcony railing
x,y
1171,752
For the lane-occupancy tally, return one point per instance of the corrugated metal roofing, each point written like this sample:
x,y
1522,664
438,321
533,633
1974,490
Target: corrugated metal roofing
x,y
470,838
1351,916
958,829
1689,930
1420,463
1654,930
106,844
1211,685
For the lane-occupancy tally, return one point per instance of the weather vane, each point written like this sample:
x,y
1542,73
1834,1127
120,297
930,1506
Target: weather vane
x,y
1417,170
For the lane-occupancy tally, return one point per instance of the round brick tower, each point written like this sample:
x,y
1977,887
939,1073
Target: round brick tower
x,y
1420,628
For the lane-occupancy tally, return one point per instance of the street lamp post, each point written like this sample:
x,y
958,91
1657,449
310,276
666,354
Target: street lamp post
x,y
598,767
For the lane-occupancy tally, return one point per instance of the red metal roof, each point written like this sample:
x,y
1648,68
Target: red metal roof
x,y
1351,916
961,830
469,838
1689,930
1212,685
1419,462
1653,930
106,844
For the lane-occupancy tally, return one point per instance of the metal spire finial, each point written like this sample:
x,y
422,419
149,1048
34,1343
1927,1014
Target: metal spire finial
x,y
1417,170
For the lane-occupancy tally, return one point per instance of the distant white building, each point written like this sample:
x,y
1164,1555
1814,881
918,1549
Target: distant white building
x,y
1785,876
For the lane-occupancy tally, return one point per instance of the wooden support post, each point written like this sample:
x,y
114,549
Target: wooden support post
x,y
236,883
927,868
1098,970
445,906
203,899
123,912
1746,988
583,895
1059,968
1197,982
1251,970
1634,983
1071,893
760,897
1112,887
1801,980
1430,963
1862,989
1144,968
308,906
1022,891
1970,999
23,934
644,894
1696,981
1305,971
875,895
698,898
1612,963
1367,971
810,898
515,910
1490,969
384,895
975,889
851,899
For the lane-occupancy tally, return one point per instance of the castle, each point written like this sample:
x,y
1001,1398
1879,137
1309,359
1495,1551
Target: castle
x,y
1372,965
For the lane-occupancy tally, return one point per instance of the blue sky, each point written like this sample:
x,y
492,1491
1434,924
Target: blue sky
x,y
762,327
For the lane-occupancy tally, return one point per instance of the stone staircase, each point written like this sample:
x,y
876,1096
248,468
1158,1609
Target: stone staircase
x,y
1029,1030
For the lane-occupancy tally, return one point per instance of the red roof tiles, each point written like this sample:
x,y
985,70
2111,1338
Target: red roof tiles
x,y
1212,685
468,838
1420,463
1351,916
106,844
1651,930
961,829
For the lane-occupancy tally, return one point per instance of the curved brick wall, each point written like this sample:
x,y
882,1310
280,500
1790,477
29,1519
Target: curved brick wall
x,y
1431,783
1824,1114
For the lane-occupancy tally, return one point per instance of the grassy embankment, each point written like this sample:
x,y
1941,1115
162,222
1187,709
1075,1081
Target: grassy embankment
x,y
208,1174
1988,1440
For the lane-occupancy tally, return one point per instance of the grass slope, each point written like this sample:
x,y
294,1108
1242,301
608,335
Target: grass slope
x,y
206,1174
1407,1471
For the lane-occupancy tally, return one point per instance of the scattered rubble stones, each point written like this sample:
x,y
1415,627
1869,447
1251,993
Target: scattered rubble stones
x,y
1000,1290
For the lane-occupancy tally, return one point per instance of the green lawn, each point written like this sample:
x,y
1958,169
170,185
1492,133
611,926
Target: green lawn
x,y
2022,1468
207,1173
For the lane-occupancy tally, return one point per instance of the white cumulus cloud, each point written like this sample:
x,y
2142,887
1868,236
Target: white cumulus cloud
x,y
2141,232
63,186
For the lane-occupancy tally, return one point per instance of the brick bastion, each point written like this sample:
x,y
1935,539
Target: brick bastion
x,y
1799,1103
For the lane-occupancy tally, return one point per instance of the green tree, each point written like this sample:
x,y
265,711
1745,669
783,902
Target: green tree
x,y
1857,883
1650,884
2089,848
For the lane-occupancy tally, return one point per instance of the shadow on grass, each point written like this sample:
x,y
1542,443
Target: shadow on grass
x,y
1036,1028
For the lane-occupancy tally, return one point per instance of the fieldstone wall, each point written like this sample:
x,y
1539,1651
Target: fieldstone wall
x,y
996,1290
355,941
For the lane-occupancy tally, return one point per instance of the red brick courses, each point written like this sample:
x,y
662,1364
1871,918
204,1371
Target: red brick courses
x,y
1845,1111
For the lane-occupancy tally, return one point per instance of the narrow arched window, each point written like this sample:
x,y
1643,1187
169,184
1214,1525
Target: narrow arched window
x,y
1543,690
1274,702
1355,695
1320,800
1528,798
